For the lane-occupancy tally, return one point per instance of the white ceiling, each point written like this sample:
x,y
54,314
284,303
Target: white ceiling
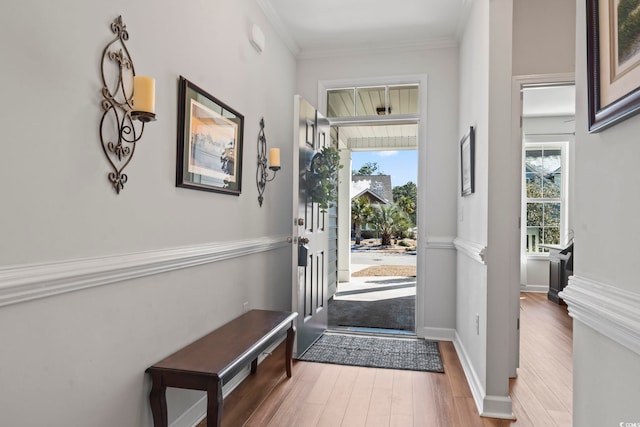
x,y
545,101
312,26
329,27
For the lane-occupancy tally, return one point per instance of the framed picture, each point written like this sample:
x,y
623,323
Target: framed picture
x,y
311,132
613,62
209,142
467,163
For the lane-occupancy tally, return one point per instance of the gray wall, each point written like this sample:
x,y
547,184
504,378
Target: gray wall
x,y
80,357
606,363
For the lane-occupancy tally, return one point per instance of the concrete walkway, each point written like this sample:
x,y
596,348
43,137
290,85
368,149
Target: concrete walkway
x,y
386,302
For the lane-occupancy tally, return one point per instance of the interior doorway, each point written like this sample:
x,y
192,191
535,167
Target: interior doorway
x,y
543,130
548,129
379,294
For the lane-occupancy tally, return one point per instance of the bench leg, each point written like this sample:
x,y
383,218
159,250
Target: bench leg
x,y
291,335
254,366
214,404
158,401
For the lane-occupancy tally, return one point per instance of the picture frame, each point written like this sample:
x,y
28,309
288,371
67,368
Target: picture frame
x,y
467,163
210,139
310,133
613,63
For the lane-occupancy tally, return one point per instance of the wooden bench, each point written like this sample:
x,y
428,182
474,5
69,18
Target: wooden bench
x,y
210,362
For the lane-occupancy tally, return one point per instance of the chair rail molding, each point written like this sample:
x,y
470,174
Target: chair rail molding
x,y
473,250
29,282
440,242
613,312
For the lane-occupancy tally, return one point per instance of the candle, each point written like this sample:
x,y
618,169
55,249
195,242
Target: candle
x,y
144,94
274,157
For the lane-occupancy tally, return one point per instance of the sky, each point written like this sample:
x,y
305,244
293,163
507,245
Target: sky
x,y
401,165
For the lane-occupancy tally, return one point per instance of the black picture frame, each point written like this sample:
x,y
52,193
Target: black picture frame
x,y
467,163
210,137
613,71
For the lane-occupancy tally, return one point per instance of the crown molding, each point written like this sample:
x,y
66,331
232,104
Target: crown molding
x,y
273,17
380,49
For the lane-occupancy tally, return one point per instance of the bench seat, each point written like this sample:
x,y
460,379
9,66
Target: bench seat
x,y
211,361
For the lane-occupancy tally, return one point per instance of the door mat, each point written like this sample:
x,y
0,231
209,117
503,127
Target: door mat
x,y
376,352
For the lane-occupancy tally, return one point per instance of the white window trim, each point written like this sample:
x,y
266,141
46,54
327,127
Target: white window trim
x,y
421,120
546,142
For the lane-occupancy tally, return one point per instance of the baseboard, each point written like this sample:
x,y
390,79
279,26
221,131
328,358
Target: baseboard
x,y
437,334
537,289
498,407
488,406
477,389
198,411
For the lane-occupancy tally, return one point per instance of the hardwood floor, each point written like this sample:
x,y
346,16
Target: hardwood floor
x,y
332,395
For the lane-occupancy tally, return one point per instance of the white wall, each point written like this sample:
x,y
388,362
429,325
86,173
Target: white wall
x,y
471,286
606,380
437,218
80,357
489,217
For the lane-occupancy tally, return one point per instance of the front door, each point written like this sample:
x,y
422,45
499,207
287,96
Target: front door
x,y
310,249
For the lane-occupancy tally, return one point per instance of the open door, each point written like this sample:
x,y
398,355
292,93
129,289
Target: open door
x,y
310,249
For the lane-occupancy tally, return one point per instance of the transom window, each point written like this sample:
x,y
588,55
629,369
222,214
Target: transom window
x,y
373,101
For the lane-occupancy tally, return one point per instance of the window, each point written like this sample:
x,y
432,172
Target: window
x,y
544,196
373,101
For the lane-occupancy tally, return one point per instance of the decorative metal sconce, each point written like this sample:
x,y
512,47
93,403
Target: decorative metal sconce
x,y
262,176
121,107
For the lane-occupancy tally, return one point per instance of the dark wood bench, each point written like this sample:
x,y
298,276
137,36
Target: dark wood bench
x,y
210,362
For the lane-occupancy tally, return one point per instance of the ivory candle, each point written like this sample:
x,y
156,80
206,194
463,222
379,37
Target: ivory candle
x,y
274,157
144,94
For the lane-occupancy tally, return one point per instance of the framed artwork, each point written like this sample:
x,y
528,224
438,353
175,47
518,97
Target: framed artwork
x,y
210,133
613,62
467,163
311,131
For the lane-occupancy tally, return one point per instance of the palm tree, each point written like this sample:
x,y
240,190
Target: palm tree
x,y
361,212
406,204
390,221
401,223
383,219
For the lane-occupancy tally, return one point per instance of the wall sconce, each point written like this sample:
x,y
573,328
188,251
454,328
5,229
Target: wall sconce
x,y
130,98
262,176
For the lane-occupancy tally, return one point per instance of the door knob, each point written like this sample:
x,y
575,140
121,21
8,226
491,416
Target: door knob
x,y
303,240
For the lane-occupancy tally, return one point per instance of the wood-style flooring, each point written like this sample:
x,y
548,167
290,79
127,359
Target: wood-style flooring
x,y
332,395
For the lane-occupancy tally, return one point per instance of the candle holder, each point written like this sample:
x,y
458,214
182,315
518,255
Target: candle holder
x,y
118,135
262,176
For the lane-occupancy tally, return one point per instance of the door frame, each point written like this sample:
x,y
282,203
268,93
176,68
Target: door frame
x,y
421,119
517,82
